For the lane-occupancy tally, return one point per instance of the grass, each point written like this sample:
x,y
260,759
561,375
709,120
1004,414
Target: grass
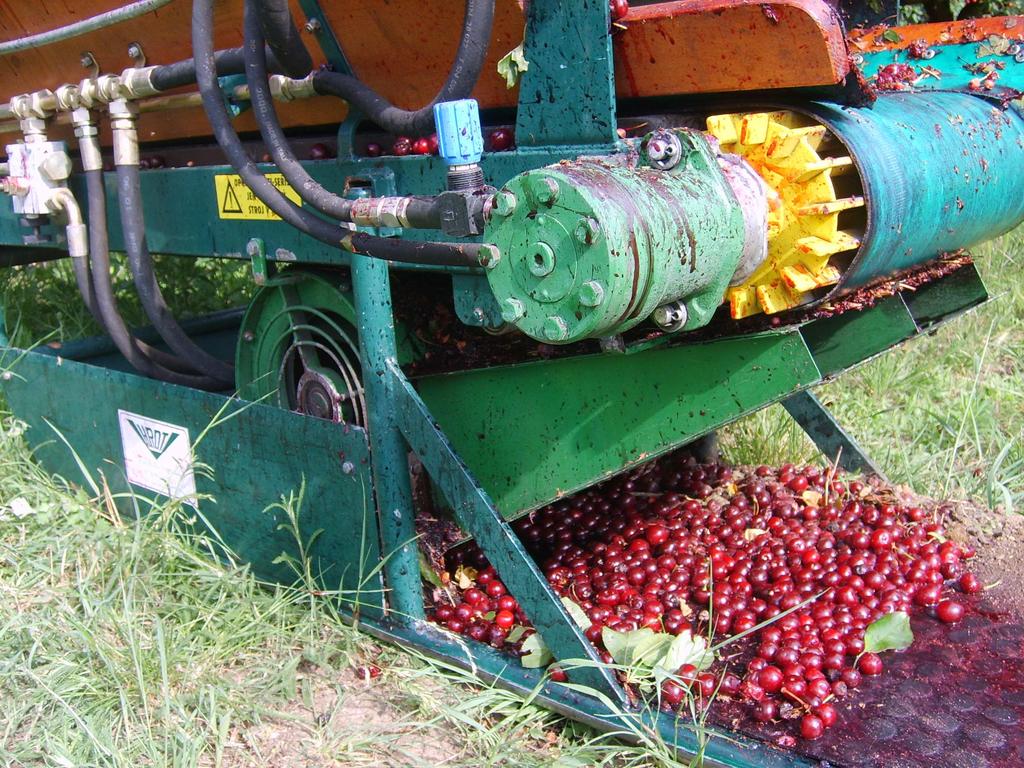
x,y
943,414
123,644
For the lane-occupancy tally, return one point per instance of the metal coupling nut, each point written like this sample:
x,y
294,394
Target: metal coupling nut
x,y
78,240
288,88
137,82
109,88
39,105
68,97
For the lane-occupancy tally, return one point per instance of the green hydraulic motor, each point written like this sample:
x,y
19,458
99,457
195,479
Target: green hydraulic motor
x,y
593,247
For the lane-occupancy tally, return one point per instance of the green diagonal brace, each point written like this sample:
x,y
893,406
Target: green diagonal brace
x,y
476,515
826,433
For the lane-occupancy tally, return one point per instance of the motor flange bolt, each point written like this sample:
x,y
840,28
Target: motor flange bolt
x,y
587,231
555,328
670,317
505,203
490,256
544,189
512,310
591,293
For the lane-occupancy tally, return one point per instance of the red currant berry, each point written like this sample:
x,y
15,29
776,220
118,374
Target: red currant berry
x,y
949,611
870,664
811,726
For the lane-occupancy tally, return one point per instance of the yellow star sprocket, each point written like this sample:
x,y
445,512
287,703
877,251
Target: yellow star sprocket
x,y
816,206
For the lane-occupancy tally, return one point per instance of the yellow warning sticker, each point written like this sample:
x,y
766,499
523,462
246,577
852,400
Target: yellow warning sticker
x,y
236,201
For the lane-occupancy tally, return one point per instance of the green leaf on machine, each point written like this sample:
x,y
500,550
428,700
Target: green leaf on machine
x,y
515,634
892,36
653,656
890,633
428,573
577,613
639,648
535,652
687,648
512,65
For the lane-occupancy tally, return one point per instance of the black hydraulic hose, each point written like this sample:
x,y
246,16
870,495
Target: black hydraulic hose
x,y
465,71
229,62
145,359
421,214
227,138
283,37
129,192
417,252
256,75
84,280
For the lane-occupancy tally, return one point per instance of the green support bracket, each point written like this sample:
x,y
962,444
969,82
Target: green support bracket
x,y
942,300
842,341
579,420
826,433
258,256
371,285
475,304
228,84
476,514
570,54
318,26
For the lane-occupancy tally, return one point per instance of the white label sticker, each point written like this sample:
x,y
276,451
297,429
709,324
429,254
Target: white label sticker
x,y
158,456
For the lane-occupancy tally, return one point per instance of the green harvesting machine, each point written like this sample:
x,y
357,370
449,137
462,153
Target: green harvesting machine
x,y
498,254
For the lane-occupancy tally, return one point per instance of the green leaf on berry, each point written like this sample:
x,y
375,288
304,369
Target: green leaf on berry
x,y
512,65
515,634
535,652
577,613
890,633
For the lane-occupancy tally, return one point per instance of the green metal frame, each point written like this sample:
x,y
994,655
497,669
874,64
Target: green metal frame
x,y
335,463
548,428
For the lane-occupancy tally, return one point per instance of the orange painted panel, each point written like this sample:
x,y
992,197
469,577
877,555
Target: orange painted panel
x,y
707,46
943,33
404,48
165,36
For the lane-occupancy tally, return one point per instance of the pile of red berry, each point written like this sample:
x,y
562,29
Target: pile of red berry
x,y
895,77
718,551
498,140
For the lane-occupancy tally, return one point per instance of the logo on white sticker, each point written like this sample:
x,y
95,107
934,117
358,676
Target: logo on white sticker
x,y
158,456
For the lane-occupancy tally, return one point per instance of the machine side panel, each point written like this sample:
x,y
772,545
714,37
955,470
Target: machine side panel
x,y
238,475
536,432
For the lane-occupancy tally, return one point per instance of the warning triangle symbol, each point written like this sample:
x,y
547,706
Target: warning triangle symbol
x,y
231,203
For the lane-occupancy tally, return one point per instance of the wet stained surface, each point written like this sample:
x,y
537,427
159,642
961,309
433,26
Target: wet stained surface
x,y
955,699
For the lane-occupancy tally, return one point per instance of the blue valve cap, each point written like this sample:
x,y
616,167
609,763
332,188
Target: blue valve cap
x,y
460,139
